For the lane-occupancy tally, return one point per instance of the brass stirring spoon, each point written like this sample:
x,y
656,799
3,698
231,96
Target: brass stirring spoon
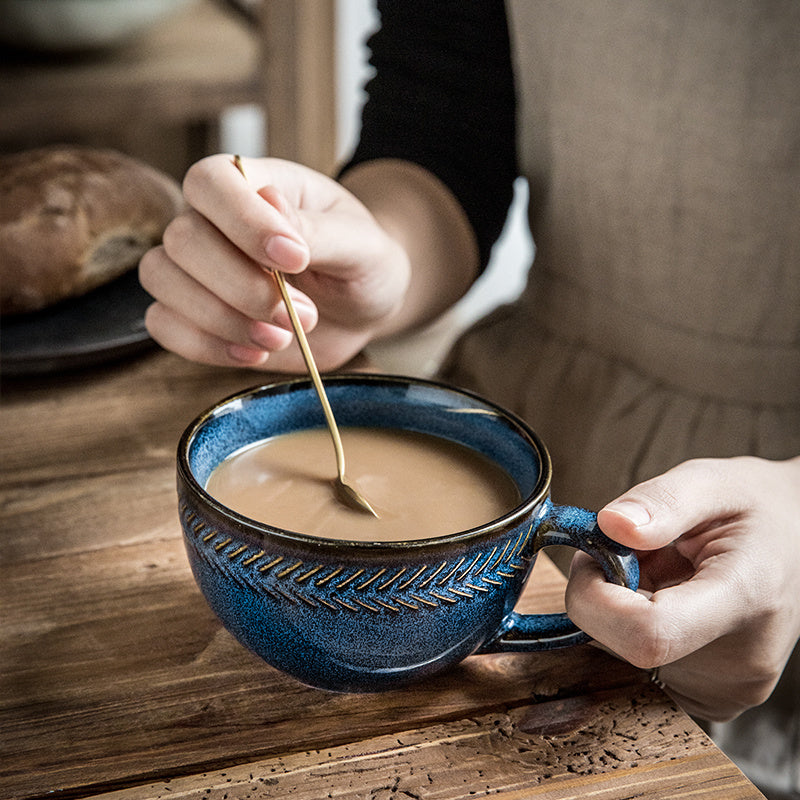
x,y
347,494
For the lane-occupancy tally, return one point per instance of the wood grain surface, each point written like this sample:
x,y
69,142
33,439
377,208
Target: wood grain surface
x,y
548,750
116,677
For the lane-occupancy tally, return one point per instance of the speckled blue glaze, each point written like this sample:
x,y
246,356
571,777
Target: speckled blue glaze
x,y
361,616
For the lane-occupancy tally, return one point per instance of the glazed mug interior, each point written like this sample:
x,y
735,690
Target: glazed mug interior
x,y
368,616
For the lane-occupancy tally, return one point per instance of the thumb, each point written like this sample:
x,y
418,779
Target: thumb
x,y
658,511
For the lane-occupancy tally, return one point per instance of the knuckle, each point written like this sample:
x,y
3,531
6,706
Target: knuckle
x,y
765,667
147,262
176,235
652,645
254,299
150,267
667,493
667,490
199,174
753,692
155,323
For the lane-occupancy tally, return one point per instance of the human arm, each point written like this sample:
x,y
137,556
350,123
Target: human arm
x,y
216,303
718,611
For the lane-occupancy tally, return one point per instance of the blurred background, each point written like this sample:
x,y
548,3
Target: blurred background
x,y
170,81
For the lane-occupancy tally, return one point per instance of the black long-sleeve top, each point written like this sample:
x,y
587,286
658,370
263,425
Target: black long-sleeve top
x,y
443,97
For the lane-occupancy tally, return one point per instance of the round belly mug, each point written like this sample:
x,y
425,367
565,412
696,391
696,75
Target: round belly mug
x,y
357,616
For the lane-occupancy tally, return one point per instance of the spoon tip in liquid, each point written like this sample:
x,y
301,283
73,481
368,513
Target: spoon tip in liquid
x,y
350,497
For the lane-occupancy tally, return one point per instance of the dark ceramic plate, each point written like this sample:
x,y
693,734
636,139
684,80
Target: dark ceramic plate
x,y
103,325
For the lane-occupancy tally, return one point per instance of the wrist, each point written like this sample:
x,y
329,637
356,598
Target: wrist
x,y
429,235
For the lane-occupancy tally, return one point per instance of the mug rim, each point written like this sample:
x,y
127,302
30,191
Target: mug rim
x,y
261,530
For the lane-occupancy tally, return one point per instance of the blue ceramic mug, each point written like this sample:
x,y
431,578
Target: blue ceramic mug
x,y
365,616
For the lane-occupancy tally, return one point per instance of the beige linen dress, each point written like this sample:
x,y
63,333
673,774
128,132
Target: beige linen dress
x,y
661,321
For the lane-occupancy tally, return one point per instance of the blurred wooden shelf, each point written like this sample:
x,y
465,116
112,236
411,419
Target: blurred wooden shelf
x,y
176,79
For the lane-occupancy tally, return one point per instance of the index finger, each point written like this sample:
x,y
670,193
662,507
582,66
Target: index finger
x,y
649,630
218,191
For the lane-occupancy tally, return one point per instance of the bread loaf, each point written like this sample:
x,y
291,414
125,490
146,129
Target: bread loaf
x,y
72,219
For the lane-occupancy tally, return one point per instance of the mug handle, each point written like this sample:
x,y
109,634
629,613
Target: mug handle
x,y
573,527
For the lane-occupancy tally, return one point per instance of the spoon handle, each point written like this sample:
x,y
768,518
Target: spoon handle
x,y
312,371
307,356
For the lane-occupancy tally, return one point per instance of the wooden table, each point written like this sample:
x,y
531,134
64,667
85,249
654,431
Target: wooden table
x,y
117,681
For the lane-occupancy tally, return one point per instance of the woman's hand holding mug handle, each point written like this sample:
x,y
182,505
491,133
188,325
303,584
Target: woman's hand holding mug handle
x,y
718,542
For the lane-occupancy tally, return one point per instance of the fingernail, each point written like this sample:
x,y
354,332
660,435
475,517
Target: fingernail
x,y
250,356
636,513
269,337
286,253
305,312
